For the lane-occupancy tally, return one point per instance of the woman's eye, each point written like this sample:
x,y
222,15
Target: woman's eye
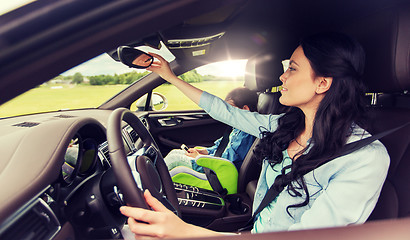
x,y
291,69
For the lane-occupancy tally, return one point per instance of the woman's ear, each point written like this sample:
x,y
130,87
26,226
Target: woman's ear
x,y
324,84
245,107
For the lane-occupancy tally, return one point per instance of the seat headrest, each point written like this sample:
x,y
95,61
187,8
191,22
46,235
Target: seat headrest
x,y
268,103
386,40
263,71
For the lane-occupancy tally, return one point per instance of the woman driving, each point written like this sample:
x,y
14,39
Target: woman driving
x,y
322,86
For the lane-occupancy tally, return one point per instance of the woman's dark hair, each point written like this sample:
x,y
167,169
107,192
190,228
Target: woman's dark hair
x,y
242,96
330,55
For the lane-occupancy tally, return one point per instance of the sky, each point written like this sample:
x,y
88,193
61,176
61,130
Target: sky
x,y
8,5
234,68
102,64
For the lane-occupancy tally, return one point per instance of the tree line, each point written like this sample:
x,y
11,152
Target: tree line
x,y
127,78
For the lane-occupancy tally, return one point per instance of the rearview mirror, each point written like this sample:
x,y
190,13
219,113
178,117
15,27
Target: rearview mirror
x,y
134,58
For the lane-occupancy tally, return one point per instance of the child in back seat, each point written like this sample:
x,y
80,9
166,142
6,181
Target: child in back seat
x,y
238,144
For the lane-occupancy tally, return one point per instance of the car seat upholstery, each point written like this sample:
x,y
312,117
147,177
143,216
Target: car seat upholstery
x,y
387,75
262,75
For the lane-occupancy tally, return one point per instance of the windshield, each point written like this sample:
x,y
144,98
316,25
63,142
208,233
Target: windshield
x,y
7,6
87,85
92,83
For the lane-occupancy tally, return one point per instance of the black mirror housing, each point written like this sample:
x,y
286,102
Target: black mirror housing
x,y
134,58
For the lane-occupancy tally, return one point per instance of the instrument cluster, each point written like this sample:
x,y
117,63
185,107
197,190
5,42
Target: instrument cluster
x,y
80,158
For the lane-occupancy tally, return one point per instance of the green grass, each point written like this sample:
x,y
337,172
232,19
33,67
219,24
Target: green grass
x,y
57,97
178,101
46,98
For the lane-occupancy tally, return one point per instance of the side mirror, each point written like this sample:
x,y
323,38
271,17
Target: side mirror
x,y
134,58
158,102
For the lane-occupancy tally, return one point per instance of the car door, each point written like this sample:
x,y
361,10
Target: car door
x,y
171,129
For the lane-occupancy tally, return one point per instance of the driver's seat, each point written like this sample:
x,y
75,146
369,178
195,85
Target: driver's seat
x,y
262,75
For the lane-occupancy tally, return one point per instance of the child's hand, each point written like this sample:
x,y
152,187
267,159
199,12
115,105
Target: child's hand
x,y
192,152
202,150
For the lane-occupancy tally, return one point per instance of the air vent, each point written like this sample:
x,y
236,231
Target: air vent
x,y
64,116
103,148
39,222
26,124
133,135
145,122
107,155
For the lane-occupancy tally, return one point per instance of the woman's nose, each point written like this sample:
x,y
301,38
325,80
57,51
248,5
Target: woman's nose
x,y
282,77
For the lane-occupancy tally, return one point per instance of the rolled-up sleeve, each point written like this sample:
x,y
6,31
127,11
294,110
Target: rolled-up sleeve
x,y
249,122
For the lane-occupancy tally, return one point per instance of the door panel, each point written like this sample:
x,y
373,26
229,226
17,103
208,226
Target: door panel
x,y
192,128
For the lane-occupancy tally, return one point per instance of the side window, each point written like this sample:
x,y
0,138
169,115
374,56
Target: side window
x,y
216,78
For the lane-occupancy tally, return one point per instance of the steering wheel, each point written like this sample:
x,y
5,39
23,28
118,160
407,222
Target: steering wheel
x,y
149,164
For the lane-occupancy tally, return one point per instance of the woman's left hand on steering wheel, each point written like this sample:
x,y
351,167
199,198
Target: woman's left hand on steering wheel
x,y
159,222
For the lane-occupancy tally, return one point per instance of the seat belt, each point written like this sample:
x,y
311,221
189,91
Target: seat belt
x,y
224,142
211,175
214,181
348,148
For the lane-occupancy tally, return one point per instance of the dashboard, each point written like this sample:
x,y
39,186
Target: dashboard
x,y
66,161
57,180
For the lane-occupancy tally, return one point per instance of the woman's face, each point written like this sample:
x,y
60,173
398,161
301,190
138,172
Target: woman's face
x,y
299,82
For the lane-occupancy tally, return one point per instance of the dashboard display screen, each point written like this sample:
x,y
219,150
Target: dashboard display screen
x,y
89,155
71,158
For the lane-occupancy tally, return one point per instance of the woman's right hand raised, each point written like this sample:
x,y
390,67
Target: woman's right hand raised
x,y
161,67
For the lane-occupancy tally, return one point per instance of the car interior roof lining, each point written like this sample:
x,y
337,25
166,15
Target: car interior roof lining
x,y
387,49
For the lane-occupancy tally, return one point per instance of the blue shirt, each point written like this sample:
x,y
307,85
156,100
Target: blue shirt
x,y
343,191
237,147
